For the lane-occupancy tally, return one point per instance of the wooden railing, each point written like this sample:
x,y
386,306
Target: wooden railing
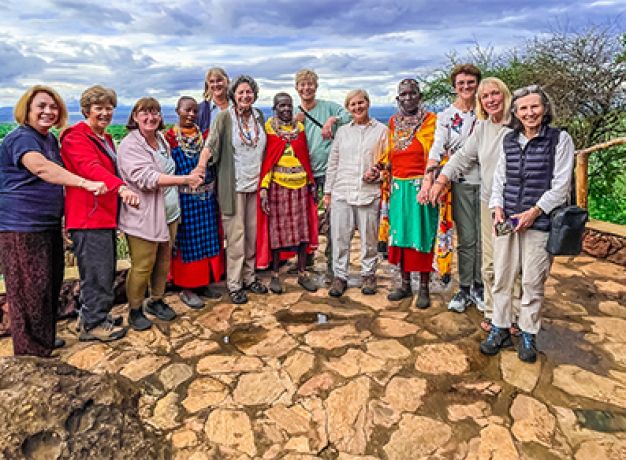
x,y
582,168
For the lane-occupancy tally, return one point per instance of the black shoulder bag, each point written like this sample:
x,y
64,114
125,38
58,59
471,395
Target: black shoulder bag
x,y
567,224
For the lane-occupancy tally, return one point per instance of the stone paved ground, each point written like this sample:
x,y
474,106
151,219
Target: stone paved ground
x,y
301,376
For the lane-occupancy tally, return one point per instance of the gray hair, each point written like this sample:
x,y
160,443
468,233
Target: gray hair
x,y
238,81
548,114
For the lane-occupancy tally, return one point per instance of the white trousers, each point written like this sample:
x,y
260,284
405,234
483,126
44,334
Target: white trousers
x,y
343,219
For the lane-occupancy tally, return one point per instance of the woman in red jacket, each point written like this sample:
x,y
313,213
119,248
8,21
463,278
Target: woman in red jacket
x,y
87,150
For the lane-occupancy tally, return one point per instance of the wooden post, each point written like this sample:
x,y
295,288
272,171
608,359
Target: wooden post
x,y
582,179
582,168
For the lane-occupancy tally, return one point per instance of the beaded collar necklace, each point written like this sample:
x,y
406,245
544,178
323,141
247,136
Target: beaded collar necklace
x,y
287,132
190,145
405,127
245,132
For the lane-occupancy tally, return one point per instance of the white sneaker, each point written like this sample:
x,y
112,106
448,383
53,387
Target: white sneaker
x,y
459,302
478,297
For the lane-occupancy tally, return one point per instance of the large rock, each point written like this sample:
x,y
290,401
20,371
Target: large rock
x,y
495,443
297,364
532,422
175,374
417,438
259,388
518,373
580,382
223,364
347,413
405,394
450,325
441,358
336,337
273,343
389,349
355,362
605,450
204,392
231,429
390,327
50,409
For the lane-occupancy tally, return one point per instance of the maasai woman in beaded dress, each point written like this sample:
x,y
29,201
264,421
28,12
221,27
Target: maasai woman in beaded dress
x,y
412,225
196,261
286,210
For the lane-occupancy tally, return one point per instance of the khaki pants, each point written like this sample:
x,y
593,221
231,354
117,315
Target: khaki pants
x,y
149,267
240,236
343,219
487,237
526,251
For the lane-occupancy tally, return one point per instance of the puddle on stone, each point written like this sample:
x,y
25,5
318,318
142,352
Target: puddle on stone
x,y
601,420
242,336
564,346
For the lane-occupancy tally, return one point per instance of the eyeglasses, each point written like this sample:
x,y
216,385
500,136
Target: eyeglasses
x,y
153,112
526,90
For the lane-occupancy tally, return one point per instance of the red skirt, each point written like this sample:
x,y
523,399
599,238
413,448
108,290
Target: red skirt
x,y
410,259
198,273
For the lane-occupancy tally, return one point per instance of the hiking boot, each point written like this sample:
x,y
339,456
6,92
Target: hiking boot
x,y
210,293
369,285
400,293
238,297
256,287
106,331
527,350
423,297
460,301
337,287
275,285
117,320
477,294
498,338
307,283
191,299
160,309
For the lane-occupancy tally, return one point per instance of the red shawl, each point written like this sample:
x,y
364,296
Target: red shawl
x,y
274,150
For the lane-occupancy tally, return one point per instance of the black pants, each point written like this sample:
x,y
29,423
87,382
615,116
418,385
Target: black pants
x,y
95,253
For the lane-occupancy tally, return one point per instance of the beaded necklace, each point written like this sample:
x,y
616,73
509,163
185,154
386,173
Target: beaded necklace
x,y
405,127
245,133
288,132
190,145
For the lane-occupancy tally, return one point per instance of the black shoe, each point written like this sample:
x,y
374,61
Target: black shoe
x,y
497,339
210,293
527,350
400,293
59,343
307,283
238,297
106,331
369,286
256,287
423,297
160,309
137,320
275,285
191,299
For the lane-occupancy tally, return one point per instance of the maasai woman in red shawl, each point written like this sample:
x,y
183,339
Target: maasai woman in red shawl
x,y
286,209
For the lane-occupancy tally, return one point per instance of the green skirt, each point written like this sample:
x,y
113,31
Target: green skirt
x,y
411,225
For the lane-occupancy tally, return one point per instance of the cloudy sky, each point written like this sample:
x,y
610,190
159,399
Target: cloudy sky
x,y
163,48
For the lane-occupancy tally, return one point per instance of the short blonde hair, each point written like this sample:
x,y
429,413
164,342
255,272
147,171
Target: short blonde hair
x,y
306,74
22,108
210,73
96,95
481,114
354,93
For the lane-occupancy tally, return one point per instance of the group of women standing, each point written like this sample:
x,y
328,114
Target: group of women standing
x,y
223,173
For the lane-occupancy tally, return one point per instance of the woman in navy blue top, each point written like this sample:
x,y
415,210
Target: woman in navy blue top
x,y
31,197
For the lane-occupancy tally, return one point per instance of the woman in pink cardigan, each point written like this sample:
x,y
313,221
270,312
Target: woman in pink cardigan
x,y
147,167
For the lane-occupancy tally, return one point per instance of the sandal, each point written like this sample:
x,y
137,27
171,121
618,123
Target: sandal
x,y
485,325
238,297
